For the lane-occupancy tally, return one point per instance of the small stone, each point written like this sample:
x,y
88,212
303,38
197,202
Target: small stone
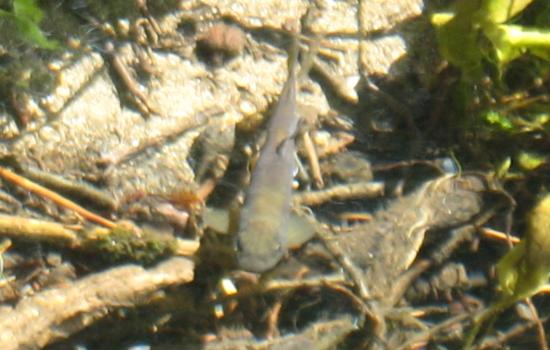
x,y
223,37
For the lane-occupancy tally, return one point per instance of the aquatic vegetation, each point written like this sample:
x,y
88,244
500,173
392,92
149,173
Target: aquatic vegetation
x,y
123,243
27,15
524,270
502,50
485,30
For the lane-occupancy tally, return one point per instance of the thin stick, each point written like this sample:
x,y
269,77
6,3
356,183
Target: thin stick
x,y
339,192
54,197
38,230
499,236
313,160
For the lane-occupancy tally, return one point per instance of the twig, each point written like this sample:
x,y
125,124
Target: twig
x,y
344,88
339,192
272,285
500,236
144,9
503,337
326,145
357,276
423,337
59,234
54,197
313,160
38,230
129,82
64,185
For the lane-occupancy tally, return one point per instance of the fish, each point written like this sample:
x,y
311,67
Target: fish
x,y
261,239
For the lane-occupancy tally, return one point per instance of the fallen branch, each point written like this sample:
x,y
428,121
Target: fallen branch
x,y
57,313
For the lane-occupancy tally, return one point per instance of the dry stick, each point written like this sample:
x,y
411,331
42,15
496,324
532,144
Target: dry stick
x,y
54,197
278,285
354,216
363,308
338,141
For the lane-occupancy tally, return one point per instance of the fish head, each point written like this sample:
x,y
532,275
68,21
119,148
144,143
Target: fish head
x,y
260,247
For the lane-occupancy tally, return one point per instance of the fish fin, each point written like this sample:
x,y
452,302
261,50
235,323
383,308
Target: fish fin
x,y
300,230
282,147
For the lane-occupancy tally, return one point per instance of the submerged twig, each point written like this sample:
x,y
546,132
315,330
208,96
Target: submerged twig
x,y
38,230
502,337
423,337
120,241
129,81
79,189
54,197
272,285
313,160
322,335
339,192
344,88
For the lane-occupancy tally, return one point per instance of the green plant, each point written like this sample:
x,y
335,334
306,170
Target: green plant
x,y
27,15
502,51
477,30
524,270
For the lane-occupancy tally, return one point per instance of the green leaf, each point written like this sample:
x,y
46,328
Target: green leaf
x,y
530,160
458,42
32,33
505,50
459,34
503,168
27,9
524,270
26,17
500,11
538,236
496,119
511,41
507,269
